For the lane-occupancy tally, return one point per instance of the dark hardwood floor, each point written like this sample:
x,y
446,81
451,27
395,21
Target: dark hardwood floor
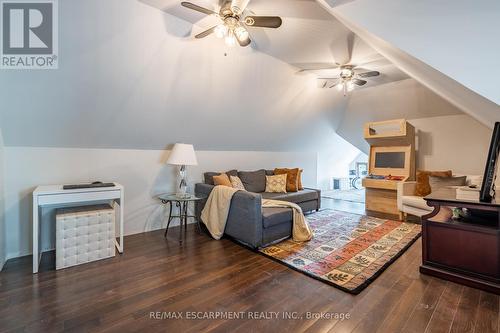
x,y
157,277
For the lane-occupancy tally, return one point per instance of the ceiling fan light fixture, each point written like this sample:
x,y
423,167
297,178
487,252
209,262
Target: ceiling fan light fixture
x,y
241,33
346,73
230,39
220,31
233,29
350,85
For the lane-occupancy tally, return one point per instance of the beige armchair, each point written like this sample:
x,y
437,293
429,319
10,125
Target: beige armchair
x,y
409,203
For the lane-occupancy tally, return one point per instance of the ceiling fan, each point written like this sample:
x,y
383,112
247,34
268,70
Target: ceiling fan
x,y
349,75
347,79
233,26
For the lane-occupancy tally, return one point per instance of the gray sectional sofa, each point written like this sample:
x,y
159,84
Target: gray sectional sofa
x,y
248,222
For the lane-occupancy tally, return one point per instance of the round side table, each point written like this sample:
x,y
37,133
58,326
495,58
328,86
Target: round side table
x,y
182,204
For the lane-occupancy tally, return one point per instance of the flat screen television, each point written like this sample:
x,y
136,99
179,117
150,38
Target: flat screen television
x,y
390,159
488,187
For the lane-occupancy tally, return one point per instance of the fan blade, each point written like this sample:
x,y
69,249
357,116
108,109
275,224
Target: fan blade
x,y
319,68
369,74
263,21
198,8
238,6
359,82
336,82
350,46
205,33
334,85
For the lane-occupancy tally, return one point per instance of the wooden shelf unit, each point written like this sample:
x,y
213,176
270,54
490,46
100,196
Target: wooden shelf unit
x,y
390,136
397,132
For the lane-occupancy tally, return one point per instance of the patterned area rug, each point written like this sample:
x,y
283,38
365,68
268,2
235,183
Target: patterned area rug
x,y
348,250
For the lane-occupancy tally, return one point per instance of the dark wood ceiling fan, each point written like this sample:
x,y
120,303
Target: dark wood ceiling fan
x,y
234,22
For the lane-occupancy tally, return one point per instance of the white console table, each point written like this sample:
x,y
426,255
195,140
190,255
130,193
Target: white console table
x,y
54,195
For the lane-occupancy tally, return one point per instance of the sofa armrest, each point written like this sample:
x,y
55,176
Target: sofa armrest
x,y
244,221
319,196
404,189
201,190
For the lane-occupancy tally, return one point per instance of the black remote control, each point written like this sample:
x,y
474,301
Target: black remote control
x,y
92,185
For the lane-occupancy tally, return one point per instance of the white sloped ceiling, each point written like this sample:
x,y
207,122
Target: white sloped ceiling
x,y
449,46
132,76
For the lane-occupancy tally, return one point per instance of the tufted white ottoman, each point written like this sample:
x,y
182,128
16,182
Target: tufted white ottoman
x,y
84,234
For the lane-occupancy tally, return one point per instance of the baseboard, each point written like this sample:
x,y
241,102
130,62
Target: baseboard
x,y
16,255
23,254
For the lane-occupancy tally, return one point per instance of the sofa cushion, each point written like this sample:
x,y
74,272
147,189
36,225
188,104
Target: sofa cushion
x,y
209,176
415,201
274,216
437,183
254,181
295,197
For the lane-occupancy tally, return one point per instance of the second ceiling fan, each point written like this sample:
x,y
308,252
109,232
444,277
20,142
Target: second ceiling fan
x,y
348,77
234,23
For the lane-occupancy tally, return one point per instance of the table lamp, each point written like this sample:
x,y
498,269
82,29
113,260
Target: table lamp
x,y
182,155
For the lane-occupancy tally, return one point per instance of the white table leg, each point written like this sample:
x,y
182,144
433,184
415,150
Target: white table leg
x,y
36,226
119,245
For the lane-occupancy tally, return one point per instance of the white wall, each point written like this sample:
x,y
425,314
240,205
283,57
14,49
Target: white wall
x,y
142,172
2,211
402,99
334,157
453,140
458,142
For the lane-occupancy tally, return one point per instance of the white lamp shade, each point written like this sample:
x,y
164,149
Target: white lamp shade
x,y
182,154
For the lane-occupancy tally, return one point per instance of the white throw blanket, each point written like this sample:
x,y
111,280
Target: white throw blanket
x,y
214,214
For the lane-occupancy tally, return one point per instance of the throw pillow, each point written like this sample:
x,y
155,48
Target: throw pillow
x,y
292,179
299,181
236,183
222,179
276,184
439,182
233,172
209,176
254,181
423,187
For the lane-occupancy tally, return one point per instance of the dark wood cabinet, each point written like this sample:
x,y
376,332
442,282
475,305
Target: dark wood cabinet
x,y
465,250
